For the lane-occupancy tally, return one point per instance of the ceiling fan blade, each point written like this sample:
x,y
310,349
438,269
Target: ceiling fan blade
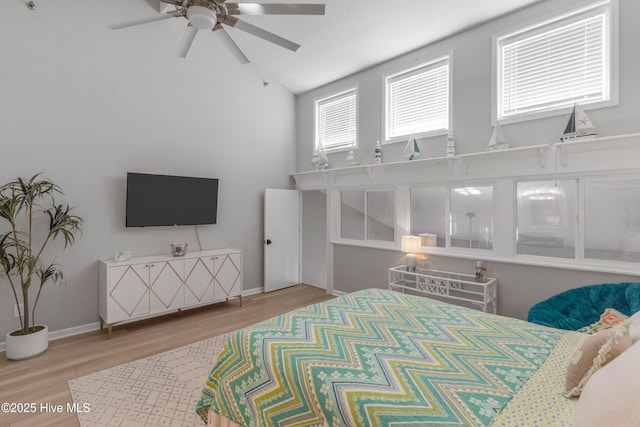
x,y
232,46
187,40
261,33
174,14
169,1
274,9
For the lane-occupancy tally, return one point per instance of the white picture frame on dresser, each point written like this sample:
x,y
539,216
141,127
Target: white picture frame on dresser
x,y
144,287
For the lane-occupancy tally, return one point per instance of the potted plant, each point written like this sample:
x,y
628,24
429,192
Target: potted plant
x,y
23,202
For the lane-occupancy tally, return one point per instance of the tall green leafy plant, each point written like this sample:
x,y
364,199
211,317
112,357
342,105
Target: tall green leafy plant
x,y
22,202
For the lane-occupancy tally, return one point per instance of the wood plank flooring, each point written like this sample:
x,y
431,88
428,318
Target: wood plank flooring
x,y
43,379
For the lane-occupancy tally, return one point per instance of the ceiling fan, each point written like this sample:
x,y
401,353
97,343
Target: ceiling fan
x,y
215,14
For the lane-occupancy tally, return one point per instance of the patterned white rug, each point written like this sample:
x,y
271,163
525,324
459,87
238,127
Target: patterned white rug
x,y
160,390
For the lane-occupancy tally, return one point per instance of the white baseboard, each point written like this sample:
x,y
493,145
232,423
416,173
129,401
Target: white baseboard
x,y
338,293
75,330
258,290
90,327
68,332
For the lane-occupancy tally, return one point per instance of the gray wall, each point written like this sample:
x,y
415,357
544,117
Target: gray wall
x,y
471,83
314,238
85,104
519,286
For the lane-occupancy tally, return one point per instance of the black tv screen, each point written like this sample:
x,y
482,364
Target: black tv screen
x,y
159,200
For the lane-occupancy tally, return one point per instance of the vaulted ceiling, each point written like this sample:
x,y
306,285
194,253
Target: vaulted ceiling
x,y
353,34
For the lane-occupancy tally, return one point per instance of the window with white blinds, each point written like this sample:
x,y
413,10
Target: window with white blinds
x,y
336,121
556,64
417,100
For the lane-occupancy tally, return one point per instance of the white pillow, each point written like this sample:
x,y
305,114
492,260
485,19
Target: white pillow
x,y
610,397
634,327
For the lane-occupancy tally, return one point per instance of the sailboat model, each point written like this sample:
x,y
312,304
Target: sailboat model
x,y
412,150
578,126
497,141
319,159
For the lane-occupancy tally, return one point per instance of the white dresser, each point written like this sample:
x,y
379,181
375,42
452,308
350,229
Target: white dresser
x,y
144,287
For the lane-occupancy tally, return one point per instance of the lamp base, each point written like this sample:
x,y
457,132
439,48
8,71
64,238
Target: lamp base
x,y
411,262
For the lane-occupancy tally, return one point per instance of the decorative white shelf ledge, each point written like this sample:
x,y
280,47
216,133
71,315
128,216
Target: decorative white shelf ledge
x,y
539,151
586,147
604,143
606,154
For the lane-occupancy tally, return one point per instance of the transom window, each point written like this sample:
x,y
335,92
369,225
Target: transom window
x,y
554,64
417,101
336,121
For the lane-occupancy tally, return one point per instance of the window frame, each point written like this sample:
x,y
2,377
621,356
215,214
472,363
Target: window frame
x,y
366,241
568,17
426,66
446,200
585,223
574,217
448,214
333,97
453,188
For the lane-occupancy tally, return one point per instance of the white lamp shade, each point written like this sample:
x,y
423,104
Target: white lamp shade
x,y
411,244
428,239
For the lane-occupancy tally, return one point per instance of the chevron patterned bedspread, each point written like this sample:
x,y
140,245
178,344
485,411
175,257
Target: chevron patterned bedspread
x,y
375,358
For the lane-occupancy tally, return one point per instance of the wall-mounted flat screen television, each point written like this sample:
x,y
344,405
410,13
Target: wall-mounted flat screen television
x,y
160,200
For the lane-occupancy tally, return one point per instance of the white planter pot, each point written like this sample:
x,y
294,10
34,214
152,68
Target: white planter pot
x,y
23,346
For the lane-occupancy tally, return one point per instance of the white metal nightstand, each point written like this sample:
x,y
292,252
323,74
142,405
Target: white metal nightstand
x,y
448,286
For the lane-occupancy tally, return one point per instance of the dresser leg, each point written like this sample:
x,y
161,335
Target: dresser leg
x,y
240,298
109,330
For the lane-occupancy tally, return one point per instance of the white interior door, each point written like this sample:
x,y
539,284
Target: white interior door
x,y
281,238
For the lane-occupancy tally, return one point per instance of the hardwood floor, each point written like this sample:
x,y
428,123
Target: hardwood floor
x,y
43,379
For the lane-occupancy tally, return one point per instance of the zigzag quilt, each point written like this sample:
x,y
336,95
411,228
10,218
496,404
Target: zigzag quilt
x,y
375,358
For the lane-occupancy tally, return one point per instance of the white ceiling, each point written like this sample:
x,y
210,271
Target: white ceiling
x,y
354,35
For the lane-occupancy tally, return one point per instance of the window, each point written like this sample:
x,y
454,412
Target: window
x,y
336,121
381,220
368,215
472,217
546,212
552,65
428,215
417,101
352,214
611,221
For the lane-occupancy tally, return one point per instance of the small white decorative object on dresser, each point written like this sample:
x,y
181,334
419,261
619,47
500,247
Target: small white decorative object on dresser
x,y
145,287
456,288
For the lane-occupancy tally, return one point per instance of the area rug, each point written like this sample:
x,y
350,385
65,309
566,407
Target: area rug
x,y
159,390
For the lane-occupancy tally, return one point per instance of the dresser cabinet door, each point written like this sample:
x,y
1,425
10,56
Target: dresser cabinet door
x,y
228,275
128,291
198,282
165,285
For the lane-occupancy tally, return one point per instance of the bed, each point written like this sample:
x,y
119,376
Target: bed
x,y
383,358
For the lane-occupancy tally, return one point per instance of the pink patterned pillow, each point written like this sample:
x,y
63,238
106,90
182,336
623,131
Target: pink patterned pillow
x,y
608,319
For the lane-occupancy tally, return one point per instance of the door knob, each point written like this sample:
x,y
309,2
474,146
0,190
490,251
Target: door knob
x,y
268,241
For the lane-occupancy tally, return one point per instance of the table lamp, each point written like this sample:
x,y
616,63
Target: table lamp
x,y
411,245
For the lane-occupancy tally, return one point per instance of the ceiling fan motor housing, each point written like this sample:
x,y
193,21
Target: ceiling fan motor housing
x,y
202,17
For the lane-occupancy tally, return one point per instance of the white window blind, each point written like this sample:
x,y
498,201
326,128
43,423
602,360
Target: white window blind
x,y
417,100
555,65
336,121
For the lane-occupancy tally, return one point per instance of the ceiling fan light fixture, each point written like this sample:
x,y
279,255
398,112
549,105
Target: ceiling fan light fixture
x,y
201,17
